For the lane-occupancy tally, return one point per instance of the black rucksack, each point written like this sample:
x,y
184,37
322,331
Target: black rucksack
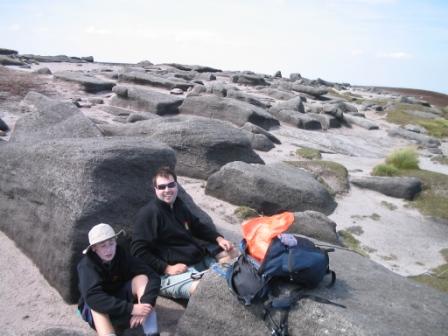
x,y
304,264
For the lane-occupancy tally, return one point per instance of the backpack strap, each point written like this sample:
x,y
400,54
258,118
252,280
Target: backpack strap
x,y
285,304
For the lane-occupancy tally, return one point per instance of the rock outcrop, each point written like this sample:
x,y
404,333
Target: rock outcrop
x,y
400,187
89,82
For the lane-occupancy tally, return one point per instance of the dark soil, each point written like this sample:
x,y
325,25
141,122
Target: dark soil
x,y
434,98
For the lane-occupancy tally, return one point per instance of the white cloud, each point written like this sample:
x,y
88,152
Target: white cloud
x,y
357,52
97,31
14,27
395,55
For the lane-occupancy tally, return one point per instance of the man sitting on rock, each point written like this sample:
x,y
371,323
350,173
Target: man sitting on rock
x,y
165,237
117,289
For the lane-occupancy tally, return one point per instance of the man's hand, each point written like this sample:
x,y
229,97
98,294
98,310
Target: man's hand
x,y
136,320
225,244
141,309
176,269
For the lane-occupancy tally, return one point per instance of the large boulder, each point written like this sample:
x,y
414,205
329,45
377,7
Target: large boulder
x,y
3,126
312,91
269,189
277,94
8,52
52,192
258,130
237,112
395,186
51,118
249,79
378,301
146,100
202,145
246,97
89,82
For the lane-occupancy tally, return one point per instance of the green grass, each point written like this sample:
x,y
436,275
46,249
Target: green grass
x,y
244,212
351,242
385,170
437,277
433,199
436,127
309,153
405,158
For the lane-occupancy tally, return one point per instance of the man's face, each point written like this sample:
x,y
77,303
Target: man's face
x,y
166,189
106,249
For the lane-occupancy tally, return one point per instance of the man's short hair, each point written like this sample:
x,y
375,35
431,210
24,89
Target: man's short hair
x,y
164,172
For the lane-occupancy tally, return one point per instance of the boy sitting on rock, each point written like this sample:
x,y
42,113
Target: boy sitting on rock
x,y
117,290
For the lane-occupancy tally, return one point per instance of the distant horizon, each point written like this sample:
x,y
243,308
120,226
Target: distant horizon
x,y
387,43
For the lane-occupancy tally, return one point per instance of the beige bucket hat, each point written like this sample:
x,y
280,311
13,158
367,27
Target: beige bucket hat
x,y
99,233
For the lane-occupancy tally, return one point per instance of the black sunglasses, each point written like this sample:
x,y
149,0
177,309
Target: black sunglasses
x,y
168,185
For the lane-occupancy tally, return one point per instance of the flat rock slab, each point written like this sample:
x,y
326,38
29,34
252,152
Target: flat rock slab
x,y
90,83
422,139
378,301
146,100
269,189
144,78
228,109
361,122
52,192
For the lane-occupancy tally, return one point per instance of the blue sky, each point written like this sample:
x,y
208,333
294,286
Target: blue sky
x,y
365,42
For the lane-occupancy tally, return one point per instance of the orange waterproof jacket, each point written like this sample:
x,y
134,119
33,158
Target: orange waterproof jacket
x,y
259,232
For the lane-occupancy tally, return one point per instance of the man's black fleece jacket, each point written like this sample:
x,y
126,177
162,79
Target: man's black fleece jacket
x,y
166,236
99,281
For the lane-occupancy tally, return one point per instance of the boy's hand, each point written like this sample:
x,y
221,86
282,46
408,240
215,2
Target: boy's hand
x,y
136,320
141,309
225,244
176,269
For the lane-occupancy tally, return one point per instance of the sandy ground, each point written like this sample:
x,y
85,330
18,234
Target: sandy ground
x,y
396,236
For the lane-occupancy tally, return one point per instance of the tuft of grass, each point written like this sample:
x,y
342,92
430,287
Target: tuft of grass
x,y
309,153
244,212
384,170
437,277
351,242
405,158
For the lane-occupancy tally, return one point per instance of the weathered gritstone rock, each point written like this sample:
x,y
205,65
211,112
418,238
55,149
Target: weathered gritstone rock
x,y
259,141
269,189
326,121
198,68
3,126
315,225
297,119
258,130
277,94
294,104
43,71
8,52
57,59
245,97
401,187
202,145
378,301
51,119
421,139
312,91
52,192
90,83
228,109
6,60
139,77
361,122
249,79
146,100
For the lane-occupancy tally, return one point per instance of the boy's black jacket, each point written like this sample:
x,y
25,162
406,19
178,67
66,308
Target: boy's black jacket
x,y
98,282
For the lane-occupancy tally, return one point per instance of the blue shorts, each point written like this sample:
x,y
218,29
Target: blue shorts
x,y
180,284
125,293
